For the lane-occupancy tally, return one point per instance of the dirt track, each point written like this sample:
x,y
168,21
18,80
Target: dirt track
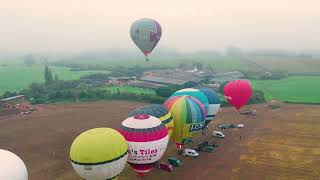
x,y
280,144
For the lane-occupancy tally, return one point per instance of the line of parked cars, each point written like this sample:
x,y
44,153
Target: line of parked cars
x,y
203,146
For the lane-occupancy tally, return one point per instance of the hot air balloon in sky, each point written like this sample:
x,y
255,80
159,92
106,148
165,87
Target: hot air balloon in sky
x,y
158,111
238,92
99,154
146,34
194,93
214,104
189,117
147,139
12,167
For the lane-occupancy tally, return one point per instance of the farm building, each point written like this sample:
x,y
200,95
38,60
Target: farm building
x,y
226,76
10,102
120,81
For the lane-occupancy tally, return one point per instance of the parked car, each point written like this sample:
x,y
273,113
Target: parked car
x,y
227,126
175,162
190,152
166,166
240,125
204,146
218,134
250,112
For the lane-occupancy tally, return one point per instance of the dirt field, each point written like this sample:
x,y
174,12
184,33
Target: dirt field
x,y
275,144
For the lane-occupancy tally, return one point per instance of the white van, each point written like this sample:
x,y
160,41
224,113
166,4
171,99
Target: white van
x,y
190,152
217,134
240,125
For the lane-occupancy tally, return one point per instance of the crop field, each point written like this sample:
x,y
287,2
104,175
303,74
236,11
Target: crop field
x,y
15,77
301,89
300,66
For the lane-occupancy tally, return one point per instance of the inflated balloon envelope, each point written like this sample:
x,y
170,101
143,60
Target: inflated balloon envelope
x,y
189,117
238,92
147,139
146,34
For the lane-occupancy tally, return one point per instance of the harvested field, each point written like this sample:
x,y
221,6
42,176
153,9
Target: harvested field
x,y
275,144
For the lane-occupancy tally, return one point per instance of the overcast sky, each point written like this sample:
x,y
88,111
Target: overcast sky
x,y
66,25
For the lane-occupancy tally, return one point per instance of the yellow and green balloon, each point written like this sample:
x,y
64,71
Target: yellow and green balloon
x,y
98,154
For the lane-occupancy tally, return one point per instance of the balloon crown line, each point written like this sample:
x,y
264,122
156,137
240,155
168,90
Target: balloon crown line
x,y
142,116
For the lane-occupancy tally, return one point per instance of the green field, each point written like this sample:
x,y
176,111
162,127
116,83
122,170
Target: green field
x,y
303,89
15,77
128,89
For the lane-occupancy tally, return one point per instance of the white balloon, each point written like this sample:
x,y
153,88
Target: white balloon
x,y
12,167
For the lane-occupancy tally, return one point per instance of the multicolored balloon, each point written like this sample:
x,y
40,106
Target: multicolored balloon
x,y
12,167
189,116
99,153
214,104
194,93
238,92
147,138
158,111
146,34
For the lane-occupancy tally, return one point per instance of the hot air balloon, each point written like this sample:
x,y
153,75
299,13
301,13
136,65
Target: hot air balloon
x,y
12,167
238,92
146,34
158,111
194,93
99,154
147,139
214,104
189,117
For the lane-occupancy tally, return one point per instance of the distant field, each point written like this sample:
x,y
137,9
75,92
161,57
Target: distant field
x,y
129,89
15,77
294,65
304,89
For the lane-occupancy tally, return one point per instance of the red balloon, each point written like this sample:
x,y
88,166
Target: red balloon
x,y
238,92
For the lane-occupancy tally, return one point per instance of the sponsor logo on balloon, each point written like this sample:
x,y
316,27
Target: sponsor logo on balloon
x,y
196,127
142,154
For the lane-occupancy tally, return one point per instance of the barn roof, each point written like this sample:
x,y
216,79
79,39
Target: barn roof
x,y
12,98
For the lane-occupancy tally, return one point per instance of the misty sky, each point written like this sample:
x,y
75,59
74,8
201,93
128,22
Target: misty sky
x,y
66,25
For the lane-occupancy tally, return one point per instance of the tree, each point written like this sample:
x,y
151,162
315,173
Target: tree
x,y
29,60
47,75
222,86
56,78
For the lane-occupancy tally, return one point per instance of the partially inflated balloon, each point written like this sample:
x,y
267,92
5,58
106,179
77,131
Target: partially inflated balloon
x,y
99,154
189,117
146,34
158,111
12,167
238,92
214,104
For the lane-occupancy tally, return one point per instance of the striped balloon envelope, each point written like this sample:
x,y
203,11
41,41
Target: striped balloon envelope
x,y
158,111
194,93
189,117
147,139
214,104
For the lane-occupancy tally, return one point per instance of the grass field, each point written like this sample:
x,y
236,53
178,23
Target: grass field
x,y
129,89
304,89
15,77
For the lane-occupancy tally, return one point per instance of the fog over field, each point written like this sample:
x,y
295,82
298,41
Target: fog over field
x,y
73,25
